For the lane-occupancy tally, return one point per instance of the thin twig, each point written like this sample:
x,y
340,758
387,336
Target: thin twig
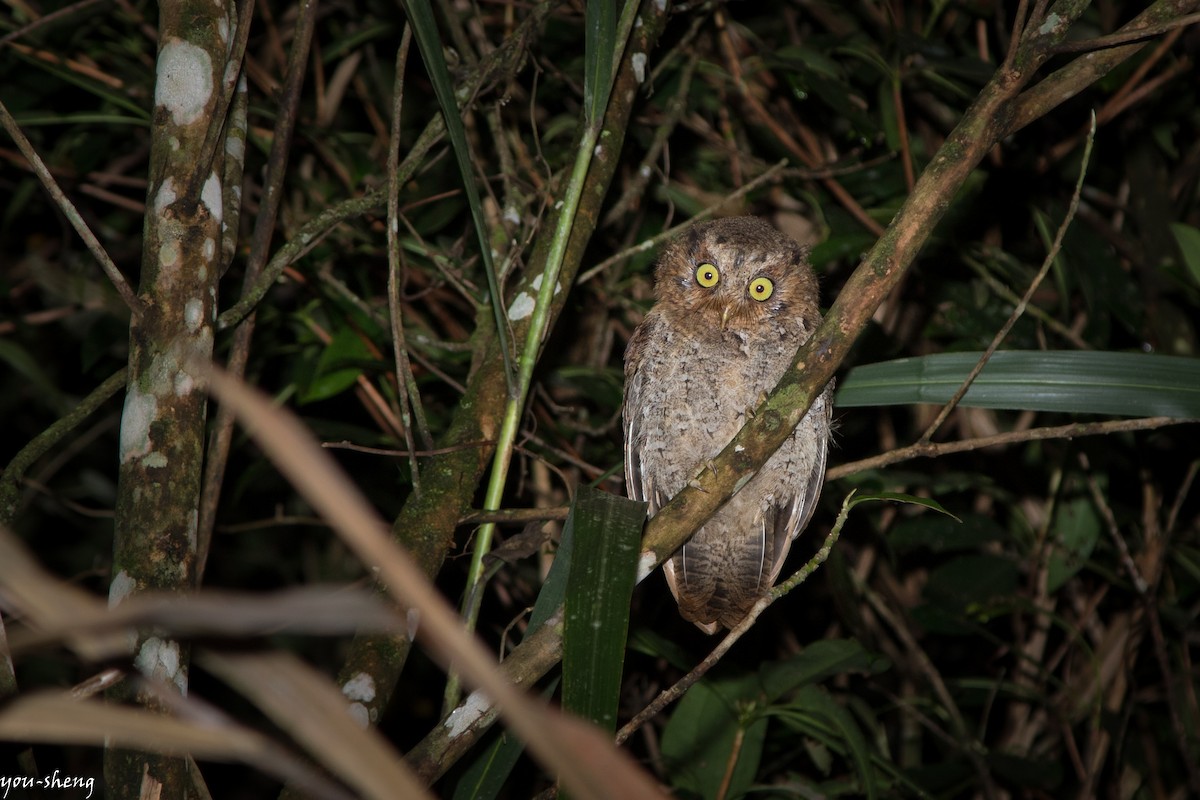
x,y
935,450
1010,296
408,392
72,214
1051,255
46,19
41,444
1114,531
1127,37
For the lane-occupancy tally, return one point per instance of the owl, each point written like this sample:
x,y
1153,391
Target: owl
x,y
735,299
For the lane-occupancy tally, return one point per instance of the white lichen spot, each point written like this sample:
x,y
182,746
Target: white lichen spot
x,y
359,713
160,660
1052,22
638,62
537,283
120,588
637,21
140,410
155,460
184,85
210,195
598,151
360,687
193,314
413,617
737,448
661,5
235,147
223,28
466,715
168,253
522,306
558,205
165,196
173,143
645,565
511,216
210,250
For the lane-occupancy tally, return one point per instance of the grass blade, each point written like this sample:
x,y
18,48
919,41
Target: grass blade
x,y
600,41
1117,384
607,535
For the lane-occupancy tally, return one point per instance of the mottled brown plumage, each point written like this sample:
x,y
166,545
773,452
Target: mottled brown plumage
x,y
735,299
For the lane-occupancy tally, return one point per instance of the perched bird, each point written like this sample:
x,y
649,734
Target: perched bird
x,y
735,299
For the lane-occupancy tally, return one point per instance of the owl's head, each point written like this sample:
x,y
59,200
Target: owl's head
x,y
738,276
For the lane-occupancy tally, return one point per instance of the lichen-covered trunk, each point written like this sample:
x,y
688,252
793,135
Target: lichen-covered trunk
x,y
163,425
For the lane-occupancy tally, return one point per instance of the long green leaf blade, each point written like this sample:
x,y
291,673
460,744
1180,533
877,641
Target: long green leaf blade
x,y
600,40
420,14
607,537
1117,384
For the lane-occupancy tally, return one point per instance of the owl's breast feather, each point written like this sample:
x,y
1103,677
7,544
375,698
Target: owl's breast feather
x,y
693,394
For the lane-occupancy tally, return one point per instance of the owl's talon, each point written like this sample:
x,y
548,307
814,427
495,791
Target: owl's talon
x,y
695,484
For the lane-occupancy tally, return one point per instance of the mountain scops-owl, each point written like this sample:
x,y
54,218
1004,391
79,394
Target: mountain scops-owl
x,y
735,299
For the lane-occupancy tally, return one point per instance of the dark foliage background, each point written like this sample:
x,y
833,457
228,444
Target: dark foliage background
x,y
1010,654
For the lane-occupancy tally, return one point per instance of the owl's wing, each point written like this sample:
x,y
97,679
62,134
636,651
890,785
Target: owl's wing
x,y
639,484
793,515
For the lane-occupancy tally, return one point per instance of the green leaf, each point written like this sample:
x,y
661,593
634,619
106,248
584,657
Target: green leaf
x,y
487,774
554,588
820,660
900,497
1118,384
338,366
1188,239
814,711
1076,529
607,538
714,722
600,41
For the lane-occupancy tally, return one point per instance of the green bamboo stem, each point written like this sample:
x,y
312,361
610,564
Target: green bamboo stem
x,y
534,336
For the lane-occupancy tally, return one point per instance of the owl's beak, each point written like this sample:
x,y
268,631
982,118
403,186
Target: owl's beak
x,y
725,316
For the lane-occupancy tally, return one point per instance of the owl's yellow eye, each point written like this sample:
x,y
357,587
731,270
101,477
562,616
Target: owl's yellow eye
x,y
707,275
761,288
